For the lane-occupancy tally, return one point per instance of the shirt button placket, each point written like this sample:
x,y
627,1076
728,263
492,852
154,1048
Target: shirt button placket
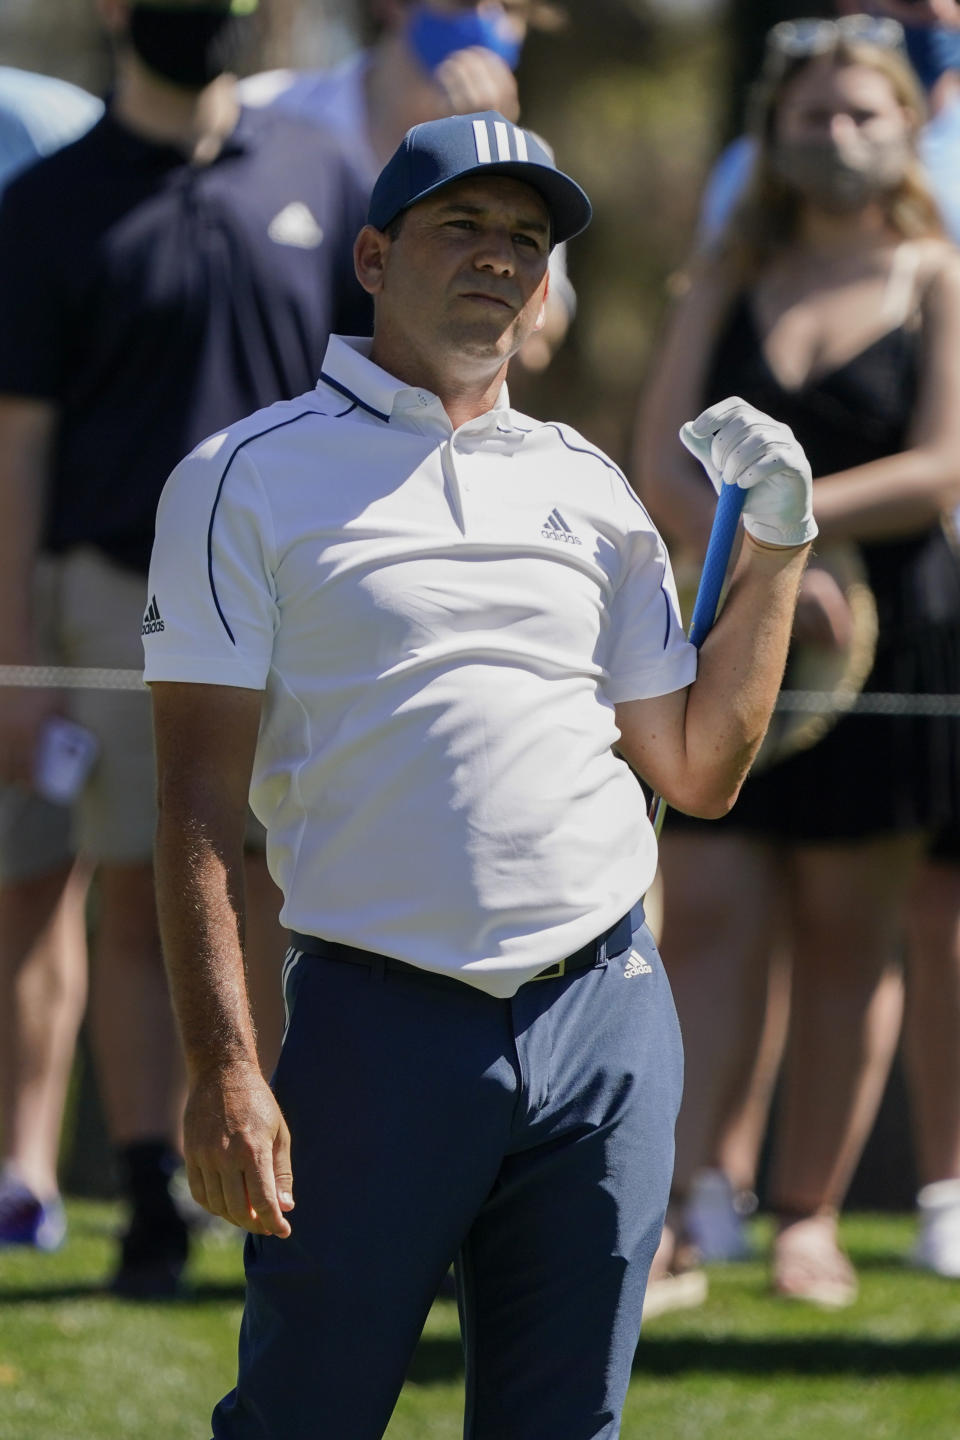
x,y
457,484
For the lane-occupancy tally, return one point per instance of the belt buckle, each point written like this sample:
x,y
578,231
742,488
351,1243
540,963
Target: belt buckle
x,y
552,972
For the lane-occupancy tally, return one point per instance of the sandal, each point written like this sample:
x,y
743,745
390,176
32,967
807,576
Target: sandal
x,y
677,1278
809,1265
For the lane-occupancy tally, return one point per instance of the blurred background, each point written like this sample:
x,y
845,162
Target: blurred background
x,y
637,97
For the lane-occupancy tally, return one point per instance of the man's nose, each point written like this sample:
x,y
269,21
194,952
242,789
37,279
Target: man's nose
x,y
495,252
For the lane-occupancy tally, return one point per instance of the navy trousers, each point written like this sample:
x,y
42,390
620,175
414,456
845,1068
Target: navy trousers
x,y
531,1139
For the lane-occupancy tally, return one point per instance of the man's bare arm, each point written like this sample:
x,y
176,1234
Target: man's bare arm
x,y
694,747
27,429
236,1142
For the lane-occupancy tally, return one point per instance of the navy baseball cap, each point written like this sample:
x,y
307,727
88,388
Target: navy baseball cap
x,y
440,151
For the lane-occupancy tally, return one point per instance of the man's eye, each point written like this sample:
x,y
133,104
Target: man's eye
x,y
530,240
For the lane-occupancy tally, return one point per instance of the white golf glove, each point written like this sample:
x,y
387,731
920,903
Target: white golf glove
x,y
739,445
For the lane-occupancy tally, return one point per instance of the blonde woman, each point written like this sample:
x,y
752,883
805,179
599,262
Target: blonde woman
x,y
833,303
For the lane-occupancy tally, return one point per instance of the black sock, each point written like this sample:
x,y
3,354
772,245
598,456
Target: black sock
x,y
146,1168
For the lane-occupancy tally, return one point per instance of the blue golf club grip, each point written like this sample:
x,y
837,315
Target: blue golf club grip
x,y
725,520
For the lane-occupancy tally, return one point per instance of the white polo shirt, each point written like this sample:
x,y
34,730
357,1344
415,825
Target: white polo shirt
x,y
441,621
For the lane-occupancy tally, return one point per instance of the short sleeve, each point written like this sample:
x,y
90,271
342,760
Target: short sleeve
x,y
647,653
210,608
32,304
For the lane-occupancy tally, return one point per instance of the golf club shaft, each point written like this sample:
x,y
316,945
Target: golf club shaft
x,y
726,518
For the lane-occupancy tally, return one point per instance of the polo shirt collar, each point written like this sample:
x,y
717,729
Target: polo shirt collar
x,y
348,369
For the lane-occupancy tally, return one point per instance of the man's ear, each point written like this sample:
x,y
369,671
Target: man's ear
x,y
370,251
541,319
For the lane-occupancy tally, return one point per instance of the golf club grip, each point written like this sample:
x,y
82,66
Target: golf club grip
x,y
725,520
723,532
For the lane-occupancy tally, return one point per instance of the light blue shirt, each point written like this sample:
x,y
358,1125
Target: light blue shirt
x,y
38,114
940,152
334,98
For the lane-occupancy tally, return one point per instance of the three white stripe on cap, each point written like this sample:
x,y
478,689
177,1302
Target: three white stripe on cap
x,y
501,136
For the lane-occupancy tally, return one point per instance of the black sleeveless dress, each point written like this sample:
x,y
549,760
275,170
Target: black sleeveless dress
x,y
870,775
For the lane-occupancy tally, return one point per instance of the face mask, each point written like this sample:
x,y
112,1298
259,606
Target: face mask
x,y
433,35
191,45
841,178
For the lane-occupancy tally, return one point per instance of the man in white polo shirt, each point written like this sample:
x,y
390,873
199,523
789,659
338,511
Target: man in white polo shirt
x,y
424,624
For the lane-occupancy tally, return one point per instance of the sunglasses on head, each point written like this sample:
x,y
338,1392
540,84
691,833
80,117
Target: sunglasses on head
x,y
797,39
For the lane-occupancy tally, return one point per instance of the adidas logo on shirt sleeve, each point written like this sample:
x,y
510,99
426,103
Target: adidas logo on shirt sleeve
x,y
151,619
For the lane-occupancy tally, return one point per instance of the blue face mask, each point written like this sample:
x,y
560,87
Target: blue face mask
x,y
433,35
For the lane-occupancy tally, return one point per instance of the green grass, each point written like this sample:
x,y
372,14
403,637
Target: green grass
x,y
77,1365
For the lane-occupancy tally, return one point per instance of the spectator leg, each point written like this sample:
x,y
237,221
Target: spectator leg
x,y
43,978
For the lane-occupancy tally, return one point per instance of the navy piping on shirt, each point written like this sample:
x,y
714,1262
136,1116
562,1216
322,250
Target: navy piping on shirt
x,y
216,499
342,389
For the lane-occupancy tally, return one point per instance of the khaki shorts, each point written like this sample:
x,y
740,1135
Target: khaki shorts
x,y
89,611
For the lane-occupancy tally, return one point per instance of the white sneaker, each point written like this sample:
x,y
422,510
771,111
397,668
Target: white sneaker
x,y
713,1218
938,1244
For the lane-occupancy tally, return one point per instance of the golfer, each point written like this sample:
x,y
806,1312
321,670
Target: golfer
x,y
434,639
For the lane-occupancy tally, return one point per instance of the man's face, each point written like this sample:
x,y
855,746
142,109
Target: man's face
x,y
394,14
224,5
517,11
466,276
116,13
183,43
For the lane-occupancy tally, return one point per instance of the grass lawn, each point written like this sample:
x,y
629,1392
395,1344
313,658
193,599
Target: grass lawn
x,y
76,1365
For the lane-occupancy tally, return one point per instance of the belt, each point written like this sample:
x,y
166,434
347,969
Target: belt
x,y
612,942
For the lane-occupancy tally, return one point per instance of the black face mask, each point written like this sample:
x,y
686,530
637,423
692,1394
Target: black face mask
x,y
189,45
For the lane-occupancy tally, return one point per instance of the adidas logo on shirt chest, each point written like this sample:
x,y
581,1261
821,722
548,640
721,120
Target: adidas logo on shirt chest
x,y
556,528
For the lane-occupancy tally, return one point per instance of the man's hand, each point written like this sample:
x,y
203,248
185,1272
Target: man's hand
x,y
24,713
739,445
476,79
237,1150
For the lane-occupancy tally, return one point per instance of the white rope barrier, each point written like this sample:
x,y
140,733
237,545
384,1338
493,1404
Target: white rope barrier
x,y
64,677
806,702
825,702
